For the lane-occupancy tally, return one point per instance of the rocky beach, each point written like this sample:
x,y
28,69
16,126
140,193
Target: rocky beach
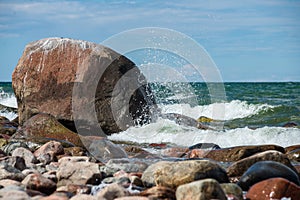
x,y
72,94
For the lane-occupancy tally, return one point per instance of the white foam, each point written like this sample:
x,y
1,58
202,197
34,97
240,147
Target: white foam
x,y
8,99
231,110
8,115
165,131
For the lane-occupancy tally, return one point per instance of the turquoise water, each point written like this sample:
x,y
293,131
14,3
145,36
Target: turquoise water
x,y
253,113
281,100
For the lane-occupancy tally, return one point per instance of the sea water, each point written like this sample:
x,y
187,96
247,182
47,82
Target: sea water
x,y
7,98
254,113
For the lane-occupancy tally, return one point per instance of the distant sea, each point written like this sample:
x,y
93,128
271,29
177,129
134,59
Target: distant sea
x,y
254,113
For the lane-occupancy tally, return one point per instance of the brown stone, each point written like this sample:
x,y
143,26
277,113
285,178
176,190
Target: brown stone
x,y
294,155
51,68
77,170
231,189
48,152
43,127
202,190
291,148
159,192
174,174
39,183
112,192
233,154
175,152
239,167
274,188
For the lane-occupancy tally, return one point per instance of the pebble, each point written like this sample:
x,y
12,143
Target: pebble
x,y
78,170
274,188
238,168
27,155
126,165
48,152
201,190
174,174
39,183
264,170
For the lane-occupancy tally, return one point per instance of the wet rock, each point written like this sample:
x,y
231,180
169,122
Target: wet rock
x,y
206,146
202,190
233,154
43,127
291,148
78,172
9,172
176,152
294,155
233,190
11,193
12,145
27,155
197,153
290,124
51,69
127,165
112,192
239,167
103,149
159,192
274,188
173,174
48,152
39,183
13,161
264,170
7,127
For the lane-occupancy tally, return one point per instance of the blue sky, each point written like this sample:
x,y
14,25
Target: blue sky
x,y
248,40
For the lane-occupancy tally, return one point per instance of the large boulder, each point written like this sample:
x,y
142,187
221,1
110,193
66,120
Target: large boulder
x,y
53,72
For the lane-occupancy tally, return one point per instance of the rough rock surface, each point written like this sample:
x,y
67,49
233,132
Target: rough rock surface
x,y
48,152
274,188
239,167
42,127
231,189
202,190
173,174
237,153
264,170
39,183
77,170
48,70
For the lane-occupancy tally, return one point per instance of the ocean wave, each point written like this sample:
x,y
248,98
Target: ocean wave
x,y
165,131
8,99
221,111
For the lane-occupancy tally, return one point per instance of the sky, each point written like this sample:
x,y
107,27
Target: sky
x,y
251,40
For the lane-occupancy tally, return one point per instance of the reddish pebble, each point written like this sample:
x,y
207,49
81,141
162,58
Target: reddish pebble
x,y
274,188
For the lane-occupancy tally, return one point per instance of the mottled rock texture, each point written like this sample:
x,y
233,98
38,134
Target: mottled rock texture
x,y
51,69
